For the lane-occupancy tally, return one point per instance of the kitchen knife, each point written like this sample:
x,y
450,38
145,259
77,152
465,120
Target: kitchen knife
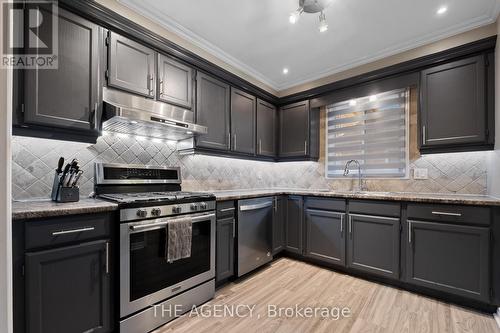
x,y
60,165
72,175
77,178
63,176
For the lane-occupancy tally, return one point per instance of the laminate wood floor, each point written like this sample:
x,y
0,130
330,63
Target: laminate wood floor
x,y
286,282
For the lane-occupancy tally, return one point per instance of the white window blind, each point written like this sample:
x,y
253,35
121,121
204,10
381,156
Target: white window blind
x,y
372,130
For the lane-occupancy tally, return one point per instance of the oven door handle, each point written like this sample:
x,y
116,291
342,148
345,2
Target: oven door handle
x,y
159,223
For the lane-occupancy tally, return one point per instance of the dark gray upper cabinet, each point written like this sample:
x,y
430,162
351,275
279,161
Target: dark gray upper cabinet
x,y
325,236
68,289
175,82
299,131
279,222
450,258
294,224
131,66
243,115
212,110
67,97
266,129
373,244
453,110
225,248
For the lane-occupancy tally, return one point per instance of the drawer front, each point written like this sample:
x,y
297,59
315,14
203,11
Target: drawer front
x,y
325,204
450,213
65,230
226,209
382,208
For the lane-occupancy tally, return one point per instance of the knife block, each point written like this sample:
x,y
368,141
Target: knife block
x,y
62,193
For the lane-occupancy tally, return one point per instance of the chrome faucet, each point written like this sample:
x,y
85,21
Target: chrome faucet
x,y
346,172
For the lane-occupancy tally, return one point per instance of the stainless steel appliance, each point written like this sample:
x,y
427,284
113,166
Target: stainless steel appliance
x,y
151,287
130,114
255,218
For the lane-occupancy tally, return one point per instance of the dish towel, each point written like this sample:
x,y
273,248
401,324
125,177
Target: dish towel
x,y
179,235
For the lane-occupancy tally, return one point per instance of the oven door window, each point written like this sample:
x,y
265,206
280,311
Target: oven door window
x,y
149,270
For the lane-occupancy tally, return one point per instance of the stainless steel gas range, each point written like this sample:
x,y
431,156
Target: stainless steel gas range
x,y
152,289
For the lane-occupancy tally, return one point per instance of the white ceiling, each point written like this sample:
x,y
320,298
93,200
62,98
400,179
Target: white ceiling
x,y
256,36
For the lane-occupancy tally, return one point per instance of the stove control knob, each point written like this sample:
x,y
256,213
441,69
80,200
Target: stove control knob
x,y
203,205
176,209
142,213
156,211
194,206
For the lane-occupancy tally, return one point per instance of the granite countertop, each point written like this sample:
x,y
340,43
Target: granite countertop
x,y
22,210
462,199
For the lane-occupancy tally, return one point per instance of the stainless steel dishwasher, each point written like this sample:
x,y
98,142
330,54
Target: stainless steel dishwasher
x,y
255,217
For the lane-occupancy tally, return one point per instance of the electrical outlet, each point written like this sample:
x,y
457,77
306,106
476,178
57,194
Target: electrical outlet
x,y
420,173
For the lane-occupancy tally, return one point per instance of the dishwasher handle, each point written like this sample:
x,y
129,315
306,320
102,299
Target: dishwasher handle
x,y
256,206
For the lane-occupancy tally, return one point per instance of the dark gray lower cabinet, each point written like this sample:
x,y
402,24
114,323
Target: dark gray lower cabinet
x,y
68,289
225,248
279,222
450,258
294,224
325,236
373,244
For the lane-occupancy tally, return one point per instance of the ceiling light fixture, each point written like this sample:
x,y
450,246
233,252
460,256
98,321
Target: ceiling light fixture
x,y
352,102
373,98
285,70
442,10
312,7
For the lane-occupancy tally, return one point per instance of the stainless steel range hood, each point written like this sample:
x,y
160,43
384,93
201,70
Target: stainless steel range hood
x,y
130,114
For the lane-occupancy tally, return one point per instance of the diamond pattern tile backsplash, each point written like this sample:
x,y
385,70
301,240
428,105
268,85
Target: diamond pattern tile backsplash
x,y
34,162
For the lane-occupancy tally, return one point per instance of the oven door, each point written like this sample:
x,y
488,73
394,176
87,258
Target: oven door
x,y
146,277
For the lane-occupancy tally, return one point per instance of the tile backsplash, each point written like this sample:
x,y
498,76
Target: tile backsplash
x,y
34,162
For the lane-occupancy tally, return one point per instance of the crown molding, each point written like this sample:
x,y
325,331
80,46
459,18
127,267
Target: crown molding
x,y
172,25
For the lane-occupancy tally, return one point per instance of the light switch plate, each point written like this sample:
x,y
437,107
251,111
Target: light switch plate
x,y
420,173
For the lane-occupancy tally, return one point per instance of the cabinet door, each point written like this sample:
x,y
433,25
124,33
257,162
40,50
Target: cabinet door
x,y
449,258
279,224
212,110
453,109
266,129
373,244
225,248
294,221
294,130
243,121
175,82
325,239
68,289
67,97
131,66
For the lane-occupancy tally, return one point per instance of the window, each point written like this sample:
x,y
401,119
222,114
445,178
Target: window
x,y
374,131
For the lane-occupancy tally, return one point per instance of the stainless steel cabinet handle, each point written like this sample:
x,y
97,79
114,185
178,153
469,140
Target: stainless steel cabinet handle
x,y
305,147
350,225
446,213
423,135
150,84
260,146
342,224
275,201
161,88
234,228
409,232
72,231
227,209
107,257
229,140
234,141
256,206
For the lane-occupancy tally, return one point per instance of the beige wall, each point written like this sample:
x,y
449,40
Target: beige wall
x,y
494,157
